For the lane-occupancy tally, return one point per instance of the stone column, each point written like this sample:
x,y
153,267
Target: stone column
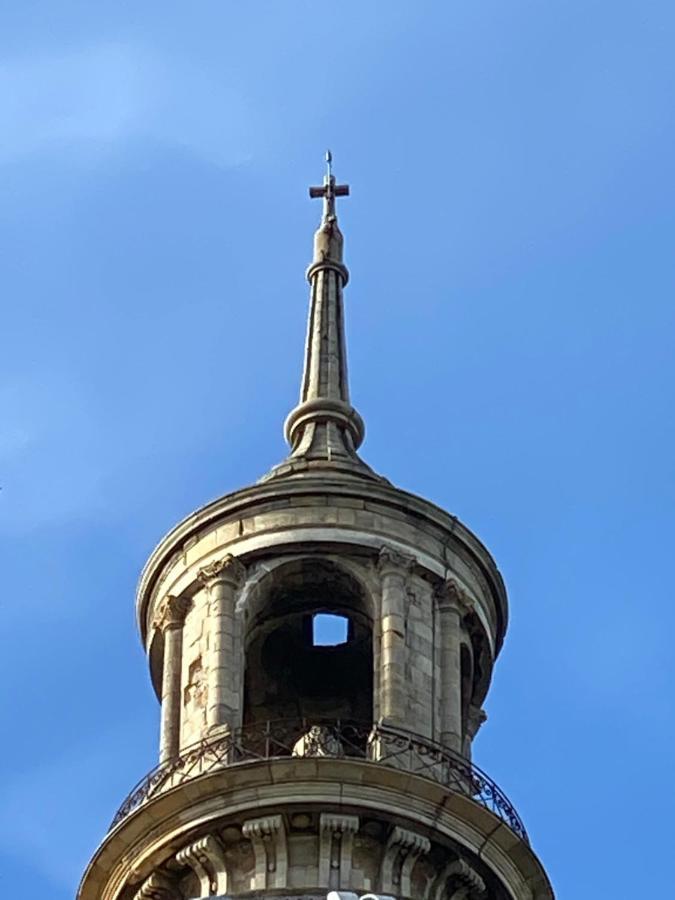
x,y
222,579
450,608
169,620
394,570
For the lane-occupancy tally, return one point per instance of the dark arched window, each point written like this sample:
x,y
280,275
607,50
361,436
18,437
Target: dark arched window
x,y
309,647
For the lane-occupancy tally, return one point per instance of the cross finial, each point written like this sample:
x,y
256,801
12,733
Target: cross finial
x,y
329,190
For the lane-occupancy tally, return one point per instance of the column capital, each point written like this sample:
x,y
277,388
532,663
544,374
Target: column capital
x,y
228,569
451,596
170,613
475,718
391,561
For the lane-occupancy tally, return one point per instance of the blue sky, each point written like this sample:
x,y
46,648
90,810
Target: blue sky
x,y
510,323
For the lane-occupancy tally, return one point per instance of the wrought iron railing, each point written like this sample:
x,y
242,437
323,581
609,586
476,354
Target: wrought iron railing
x,y
335,739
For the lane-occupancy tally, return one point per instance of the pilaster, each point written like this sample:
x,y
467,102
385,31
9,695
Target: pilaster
x,y
169,620
394,569
451,608
222,579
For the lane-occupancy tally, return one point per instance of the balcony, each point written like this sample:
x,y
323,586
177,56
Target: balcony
x,y
376,744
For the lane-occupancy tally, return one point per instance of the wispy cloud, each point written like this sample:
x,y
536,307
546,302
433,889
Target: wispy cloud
x,y
98,96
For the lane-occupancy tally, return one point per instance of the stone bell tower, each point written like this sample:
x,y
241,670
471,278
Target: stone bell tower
x,y
291,764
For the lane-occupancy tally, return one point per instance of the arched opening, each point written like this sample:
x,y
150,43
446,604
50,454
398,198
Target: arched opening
x,y
309,647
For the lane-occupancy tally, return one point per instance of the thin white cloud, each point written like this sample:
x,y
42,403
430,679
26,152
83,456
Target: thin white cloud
x,y
96,97
97,94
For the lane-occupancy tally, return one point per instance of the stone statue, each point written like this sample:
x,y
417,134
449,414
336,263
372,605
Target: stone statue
x,y
319,741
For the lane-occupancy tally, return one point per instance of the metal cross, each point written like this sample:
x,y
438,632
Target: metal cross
x,y
329,189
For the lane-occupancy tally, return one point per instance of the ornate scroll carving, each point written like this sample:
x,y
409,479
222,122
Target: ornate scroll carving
x,y
459,881
206,859
391,561
170,613
268,836
229,569
335,851
451,595
400,855
157,887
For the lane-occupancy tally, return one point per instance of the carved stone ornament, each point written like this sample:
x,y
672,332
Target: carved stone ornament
x,y
400,855
391,561
170,613
335,850
157,887
475,719
462,882
268,837
206,859
229,568
451,596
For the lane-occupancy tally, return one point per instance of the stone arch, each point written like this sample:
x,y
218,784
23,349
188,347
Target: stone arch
x,y
286,674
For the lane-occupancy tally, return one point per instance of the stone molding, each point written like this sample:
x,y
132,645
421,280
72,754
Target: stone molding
x,y
157,887
206,859
209,802
170,613
335,849
268,836
393,562
228,569
400,855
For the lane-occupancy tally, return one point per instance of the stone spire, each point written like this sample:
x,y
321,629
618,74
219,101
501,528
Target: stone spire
x,y
324,430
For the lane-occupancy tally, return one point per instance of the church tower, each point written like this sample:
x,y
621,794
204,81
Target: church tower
x,y
294,764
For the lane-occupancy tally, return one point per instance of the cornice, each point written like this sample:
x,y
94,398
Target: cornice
x,y
286,492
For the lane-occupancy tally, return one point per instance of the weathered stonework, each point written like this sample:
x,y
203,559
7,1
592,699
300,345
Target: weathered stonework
x,y
292,767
